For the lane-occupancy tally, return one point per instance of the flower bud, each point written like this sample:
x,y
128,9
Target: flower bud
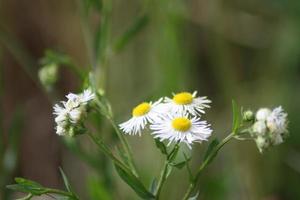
x,y
248,116
48,75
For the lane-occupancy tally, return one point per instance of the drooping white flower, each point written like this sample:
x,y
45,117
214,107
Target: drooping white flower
x,y
277,121
259,128
262,114
181,128
270,127
187,102
142,114
262,143
72,111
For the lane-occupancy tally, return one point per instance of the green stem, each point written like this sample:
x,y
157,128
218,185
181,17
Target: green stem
x,y
125,145
205,163
107,151
163,176
162,179
63,193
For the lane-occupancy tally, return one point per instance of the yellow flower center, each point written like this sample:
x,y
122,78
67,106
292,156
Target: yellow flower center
x,y
183,98
181,124
141,109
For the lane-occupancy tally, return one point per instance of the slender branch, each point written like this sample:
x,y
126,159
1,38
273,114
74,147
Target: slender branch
x,y
205,163
63,193
162,179
107,151
163,176
125,145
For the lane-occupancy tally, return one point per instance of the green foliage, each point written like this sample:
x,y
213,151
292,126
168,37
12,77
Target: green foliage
x,y
132,31
35,189
236,122
98,190
161,146
210,148
134,183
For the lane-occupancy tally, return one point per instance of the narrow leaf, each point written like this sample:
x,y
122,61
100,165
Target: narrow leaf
x,y
210,148
134,183
194,197
135,28
180,165
153,185
161,146
236,117
65,179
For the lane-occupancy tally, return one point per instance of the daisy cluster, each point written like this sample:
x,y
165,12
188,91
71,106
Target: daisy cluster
x,y
270,127
72,112
176,119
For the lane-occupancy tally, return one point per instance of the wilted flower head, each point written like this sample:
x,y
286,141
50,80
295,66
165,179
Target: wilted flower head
x,y
72,112
270,127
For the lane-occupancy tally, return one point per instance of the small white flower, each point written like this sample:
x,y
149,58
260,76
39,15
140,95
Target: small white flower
x,y
74,100
181,128
76,114
262,143
260,128
72,111
262,114
270,128
277,121
187,102
142,114
60,130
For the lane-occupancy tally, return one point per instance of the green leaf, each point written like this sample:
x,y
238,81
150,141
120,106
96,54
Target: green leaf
x,y
172,155
135,28
194,197
28,197
161,146
210,148
153,185
134,183
236,117
65,179
169,170
180,165
97,189
27,186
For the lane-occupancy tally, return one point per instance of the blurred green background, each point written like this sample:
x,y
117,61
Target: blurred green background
x,y
244,50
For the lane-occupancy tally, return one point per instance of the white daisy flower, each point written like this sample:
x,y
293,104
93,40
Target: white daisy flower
x,y
142,114
180,128
187,102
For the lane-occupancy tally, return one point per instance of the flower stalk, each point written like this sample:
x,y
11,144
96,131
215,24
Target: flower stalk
x,y
205,163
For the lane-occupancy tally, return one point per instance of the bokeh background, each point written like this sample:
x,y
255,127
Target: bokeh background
x,y
244,50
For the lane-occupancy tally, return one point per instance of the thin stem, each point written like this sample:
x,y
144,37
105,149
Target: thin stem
x,y
107,151
162,179
163,176
125,145
205,163
63,193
